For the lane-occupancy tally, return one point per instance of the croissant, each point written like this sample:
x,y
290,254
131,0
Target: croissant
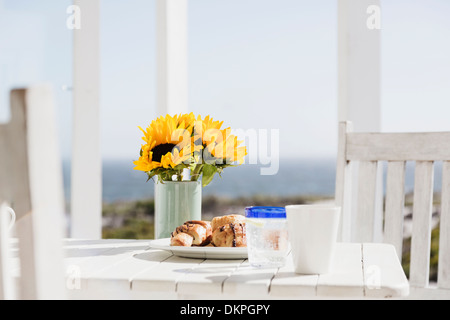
x,y
200,231
230,235
181,240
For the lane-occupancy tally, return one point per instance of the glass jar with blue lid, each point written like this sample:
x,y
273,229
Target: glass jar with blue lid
x,y
267,236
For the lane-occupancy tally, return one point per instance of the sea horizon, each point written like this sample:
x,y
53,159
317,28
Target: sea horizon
x,y
308,177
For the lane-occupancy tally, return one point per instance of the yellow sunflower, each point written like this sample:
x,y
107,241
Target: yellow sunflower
x,y
175,143
168,143
205,131
218,145
224,148
215,149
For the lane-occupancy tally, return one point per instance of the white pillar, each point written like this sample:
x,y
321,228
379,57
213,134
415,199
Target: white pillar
x,y
359,63
86,199
172,76
359,75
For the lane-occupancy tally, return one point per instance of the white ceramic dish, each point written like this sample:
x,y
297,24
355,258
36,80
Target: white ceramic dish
x,y
200,252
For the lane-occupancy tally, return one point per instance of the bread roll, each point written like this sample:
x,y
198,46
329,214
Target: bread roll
x,y
230,235
221,221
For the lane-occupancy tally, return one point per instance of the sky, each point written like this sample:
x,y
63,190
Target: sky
x,y
255,64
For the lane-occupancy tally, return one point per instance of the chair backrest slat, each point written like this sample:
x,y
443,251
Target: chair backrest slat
x,y
421,230
344,184
14,172
367,179
47,197
416,146
444,234
395,201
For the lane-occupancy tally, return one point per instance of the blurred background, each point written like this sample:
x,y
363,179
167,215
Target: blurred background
x,y
254,64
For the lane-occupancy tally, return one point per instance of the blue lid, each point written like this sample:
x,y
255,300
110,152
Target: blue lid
x,y
265,212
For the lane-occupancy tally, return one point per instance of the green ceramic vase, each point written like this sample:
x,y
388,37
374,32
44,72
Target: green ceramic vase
x,y
175,203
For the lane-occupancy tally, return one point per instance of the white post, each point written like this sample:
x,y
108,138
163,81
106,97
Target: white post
x,y
172,79
359,69
359,63
86,199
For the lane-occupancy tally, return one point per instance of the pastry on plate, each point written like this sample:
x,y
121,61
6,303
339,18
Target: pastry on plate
x,y
223,220
200,231
224,231
181,240
229,231
230,235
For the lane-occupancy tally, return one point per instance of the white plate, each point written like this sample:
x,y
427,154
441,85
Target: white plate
x,y
200,252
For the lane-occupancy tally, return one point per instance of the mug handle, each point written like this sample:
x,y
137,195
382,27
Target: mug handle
x,y
13,217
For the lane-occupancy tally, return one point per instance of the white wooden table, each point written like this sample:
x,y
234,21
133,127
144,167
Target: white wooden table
x,y
130,269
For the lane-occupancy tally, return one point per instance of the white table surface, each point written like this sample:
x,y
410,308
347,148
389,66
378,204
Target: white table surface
x,y
130,269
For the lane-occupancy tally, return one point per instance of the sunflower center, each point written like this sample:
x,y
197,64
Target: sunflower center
x,y
161,150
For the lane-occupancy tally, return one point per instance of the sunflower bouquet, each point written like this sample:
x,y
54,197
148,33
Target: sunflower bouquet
x,y
176,143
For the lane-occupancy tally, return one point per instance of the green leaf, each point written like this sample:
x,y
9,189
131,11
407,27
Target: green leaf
x,y
208,174
150,174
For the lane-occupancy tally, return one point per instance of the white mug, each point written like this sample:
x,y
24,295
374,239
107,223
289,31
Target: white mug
x,y
313,233
5,208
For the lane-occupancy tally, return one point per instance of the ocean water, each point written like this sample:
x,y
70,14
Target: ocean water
x,y
305,177
300,177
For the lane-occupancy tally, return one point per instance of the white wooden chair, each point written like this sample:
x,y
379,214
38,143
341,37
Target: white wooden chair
x,y
362,211
31,181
